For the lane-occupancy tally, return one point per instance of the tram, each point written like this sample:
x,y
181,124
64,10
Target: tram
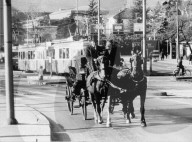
x,y
54,56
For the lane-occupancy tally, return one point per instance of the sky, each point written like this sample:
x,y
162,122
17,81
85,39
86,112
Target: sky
x,y
54,5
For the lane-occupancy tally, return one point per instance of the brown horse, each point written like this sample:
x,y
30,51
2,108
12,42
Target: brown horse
x,y
134,88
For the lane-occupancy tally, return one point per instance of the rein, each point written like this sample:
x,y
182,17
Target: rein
x,y
98,77
116,87
139,80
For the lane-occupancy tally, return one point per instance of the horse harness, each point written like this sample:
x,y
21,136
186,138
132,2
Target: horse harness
x,y
106,81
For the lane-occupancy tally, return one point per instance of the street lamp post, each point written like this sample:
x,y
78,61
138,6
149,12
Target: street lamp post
x,y
98,22
177,42
144,38
8,63
77,5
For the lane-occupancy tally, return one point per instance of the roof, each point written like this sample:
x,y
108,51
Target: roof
x,y
124,14
64,13
58,15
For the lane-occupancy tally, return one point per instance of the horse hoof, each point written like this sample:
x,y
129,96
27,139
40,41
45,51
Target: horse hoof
x,y
100,121
132,115
108,125
143,124
96,120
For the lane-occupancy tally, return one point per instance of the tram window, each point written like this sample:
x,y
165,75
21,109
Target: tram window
x,y
33,54
60,53
19,55
29,56
64,50
67,52
53,54
23,55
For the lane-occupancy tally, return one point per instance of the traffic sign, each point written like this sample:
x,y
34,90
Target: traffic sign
x,y
118,29
138,28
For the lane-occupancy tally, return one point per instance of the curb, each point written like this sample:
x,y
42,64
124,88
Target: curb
x,y
32,126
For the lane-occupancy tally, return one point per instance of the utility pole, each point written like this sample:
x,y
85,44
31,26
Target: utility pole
x,y
77,4
177,42
27,25
8,63
98,22
1,24
144,38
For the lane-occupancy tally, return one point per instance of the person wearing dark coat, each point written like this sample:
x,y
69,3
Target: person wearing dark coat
x,y
91,54
113,53
180,65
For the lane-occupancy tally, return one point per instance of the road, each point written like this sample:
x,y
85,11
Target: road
x,y
168,117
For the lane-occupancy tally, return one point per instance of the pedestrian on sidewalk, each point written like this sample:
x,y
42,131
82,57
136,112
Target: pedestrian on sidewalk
x,y
40,75
162,55
190,59
180,65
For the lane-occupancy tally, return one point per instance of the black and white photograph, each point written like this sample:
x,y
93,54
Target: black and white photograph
x,y
95,70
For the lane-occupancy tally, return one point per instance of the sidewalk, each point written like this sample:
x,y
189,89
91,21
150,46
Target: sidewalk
x,y
172,61
32,126
159,84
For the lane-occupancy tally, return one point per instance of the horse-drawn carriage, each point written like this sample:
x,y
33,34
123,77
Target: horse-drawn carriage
x,y
104,86
76,85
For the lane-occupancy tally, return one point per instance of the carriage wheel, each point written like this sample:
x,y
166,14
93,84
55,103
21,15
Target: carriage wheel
x,y
187,72
84,104
175,73
69,100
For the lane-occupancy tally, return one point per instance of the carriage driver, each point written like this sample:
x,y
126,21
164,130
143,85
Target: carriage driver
x,y
113,53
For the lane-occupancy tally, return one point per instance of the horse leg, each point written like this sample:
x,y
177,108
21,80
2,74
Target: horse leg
x,y
98,109
94,106
129,110
108,124
95,112
132,110
124,109
103,105
142,109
